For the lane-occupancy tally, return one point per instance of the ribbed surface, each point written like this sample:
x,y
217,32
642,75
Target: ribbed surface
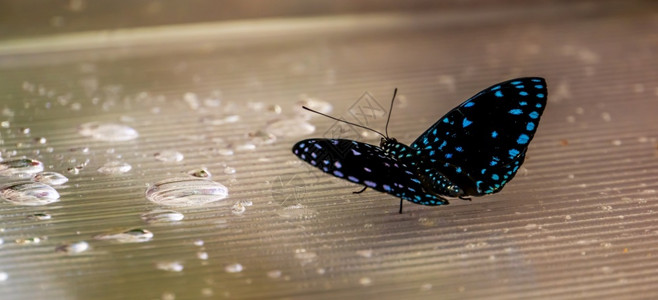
x,y
577,222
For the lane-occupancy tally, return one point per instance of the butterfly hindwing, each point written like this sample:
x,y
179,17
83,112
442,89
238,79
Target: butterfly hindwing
x,y
367,165
481,143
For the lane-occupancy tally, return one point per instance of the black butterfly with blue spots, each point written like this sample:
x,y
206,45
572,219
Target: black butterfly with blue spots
x,y
474,150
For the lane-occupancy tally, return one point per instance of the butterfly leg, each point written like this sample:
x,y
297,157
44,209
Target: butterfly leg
x,y
400,205
361,191
465,198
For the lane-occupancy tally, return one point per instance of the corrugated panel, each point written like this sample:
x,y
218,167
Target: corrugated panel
x,y
577,222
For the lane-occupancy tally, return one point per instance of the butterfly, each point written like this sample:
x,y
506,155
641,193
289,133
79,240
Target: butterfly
x,y
473,150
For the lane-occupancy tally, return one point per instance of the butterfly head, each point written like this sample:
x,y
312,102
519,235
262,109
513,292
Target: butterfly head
x,y
387,142
391,146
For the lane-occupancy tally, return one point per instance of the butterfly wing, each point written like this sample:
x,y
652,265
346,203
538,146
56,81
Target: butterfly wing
x,y
367,165
481,143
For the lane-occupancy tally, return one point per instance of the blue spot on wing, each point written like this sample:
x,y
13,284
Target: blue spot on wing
x,y
533,115
523,139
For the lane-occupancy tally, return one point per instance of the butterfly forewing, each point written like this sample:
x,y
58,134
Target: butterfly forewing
x,y
367,165
481,143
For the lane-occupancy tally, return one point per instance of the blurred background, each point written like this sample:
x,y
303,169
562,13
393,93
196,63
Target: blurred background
x,y
35,18
146,149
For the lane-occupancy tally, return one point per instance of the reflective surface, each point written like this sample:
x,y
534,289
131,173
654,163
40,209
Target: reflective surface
x,y
113,114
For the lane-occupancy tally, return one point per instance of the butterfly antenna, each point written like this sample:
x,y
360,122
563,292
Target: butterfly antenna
x,y
395,92
339,120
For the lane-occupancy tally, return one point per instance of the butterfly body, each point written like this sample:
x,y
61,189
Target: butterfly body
x,y
473,150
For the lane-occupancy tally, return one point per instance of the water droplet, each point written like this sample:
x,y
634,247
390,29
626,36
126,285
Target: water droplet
x,y
225,152
29,241
215,101
426,287
162,216
80,149
136,235
170,266
202,255
426,222
220,121
245,147
199,243
314,104
28,193
192,100
20,167
169,156
107,132
229,170
531,226
365,281
606,207
274,274
3,276
50,178
73,248
114,168
200,173
39,217
290,128
240,207
207,292
234,268
305,256
186,192
168,296
296,211
261,137
364,253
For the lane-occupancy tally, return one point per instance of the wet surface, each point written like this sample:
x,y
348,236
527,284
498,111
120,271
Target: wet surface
x,y
133,132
